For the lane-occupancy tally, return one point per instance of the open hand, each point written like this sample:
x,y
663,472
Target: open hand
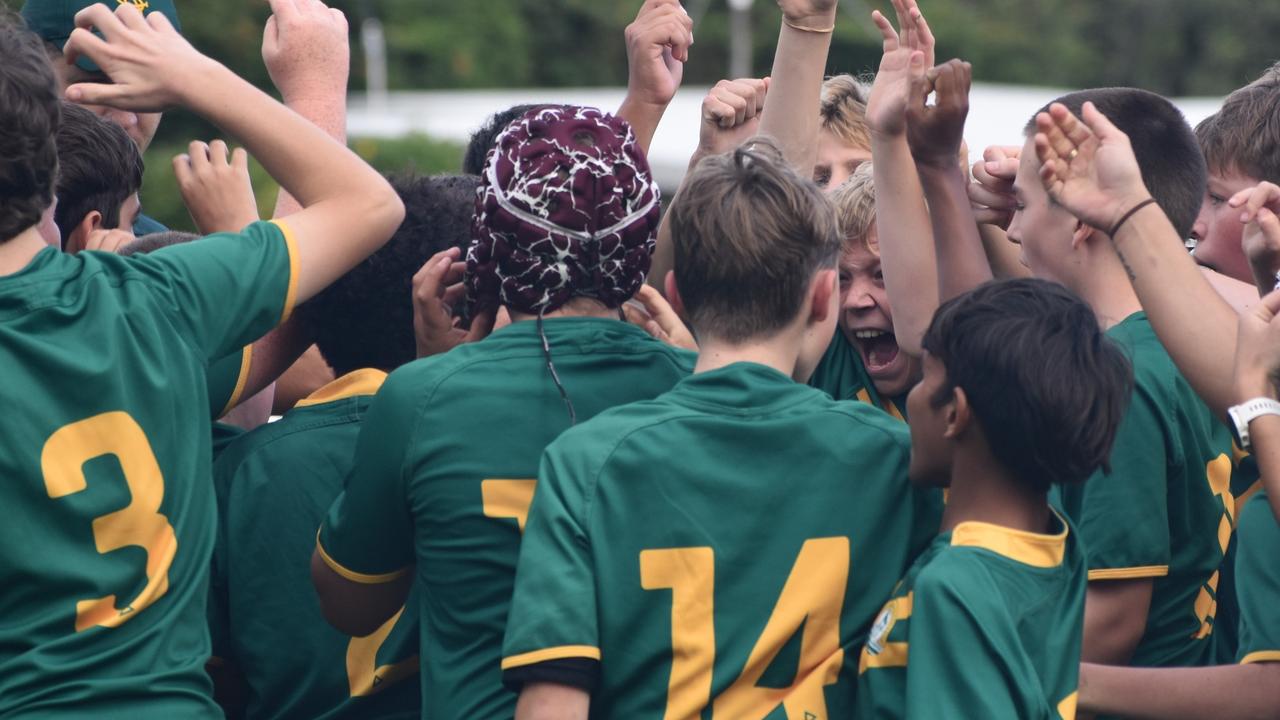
x,y
657,48
936,132
217,192
436,288
1088,167
306,49
1260,211
731,114
150,65
905,58
991,192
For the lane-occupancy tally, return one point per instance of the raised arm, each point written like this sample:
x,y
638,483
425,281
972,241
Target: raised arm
x,y
1257,368
791,114
902,219
993,202
1090,169
657,48
350,209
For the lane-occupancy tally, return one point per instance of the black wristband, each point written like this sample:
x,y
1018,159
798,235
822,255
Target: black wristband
x,y
1116,228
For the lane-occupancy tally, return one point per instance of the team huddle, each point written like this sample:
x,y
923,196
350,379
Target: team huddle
x,y
847,429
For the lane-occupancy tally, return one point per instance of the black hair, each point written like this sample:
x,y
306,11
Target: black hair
x,y
29,118
365,318
100,167
1168,153
1046,385
156,241
473,163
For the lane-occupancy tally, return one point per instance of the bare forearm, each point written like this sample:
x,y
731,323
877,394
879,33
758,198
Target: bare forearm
x,y
791,111
644,119
1194,323
906,241
962,261
1226,692
327,113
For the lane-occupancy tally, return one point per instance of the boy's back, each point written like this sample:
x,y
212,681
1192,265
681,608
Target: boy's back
x,y
1164,512
106,559
445,473
723,546
1015,598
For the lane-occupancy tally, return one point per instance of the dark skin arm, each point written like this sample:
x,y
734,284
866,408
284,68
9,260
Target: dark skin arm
x,y
357,609
1225,692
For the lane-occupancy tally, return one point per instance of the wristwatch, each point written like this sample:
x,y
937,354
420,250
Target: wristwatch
x,y
1244,413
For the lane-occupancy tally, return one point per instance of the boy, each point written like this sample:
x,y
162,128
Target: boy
x,y
275,484
988,621
821,521
113,484
99,175
447,455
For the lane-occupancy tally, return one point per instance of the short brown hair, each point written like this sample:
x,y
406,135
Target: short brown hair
x,y
1244,136
844,110
855,202
29,118
749,234
100,167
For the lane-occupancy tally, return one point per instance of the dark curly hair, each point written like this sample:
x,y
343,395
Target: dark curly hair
x,y
365,318
482,140
99,168
29,118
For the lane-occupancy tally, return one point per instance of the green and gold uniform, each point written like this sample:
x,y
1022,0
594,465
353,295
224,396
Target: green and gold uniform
x,y
1164,510
725,546
109,529
274,486
445,470
227,379
842,375
986,624
1245,482
1258,582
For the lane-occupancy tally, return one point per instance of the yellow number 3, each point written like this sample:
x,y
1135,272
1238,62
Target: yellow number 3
x,y
139,524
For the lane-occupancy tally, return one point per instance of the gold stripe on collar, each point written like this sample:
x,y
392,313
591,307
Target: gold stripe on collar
x,y
1034,549
353,384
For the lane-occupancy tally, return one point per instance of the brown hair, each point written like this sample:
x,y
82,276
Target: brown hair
x,y
855,202
100,167
29,118
1244,136
843,111
749,234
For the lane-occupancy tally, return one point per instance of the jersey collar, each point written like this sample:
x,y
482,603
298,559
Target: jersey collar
x,y
1034,549
353,384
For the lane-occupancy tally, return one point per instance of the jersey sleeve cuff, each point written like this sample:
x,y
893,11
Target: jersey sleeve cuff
x,y
575,672
291,295
1129,573
590,652
1262,656
246,361
357,577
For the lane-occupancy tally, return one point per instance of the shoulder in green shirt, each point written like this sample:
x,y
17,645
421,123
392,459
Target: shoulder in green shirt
x,y
273,486
987,623
1258,582
446,468
106,459
1165,510
724,546
842,375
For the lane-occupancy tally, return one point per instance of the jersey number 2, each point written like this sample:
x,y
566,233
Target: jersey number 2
x,y
138,524
812,598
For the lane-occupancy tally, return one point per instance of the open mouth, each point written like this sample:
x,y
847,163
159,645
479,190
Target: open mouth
x,y
878,348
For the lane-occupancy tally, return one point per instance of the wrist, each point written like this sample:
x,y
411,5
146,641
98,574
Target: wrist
x,y
196,88
815,21
635,103
1250,384
1123,215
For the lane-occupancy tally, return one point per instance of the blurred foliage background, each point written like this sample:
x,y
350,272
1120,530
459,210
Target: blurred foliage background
x,y
1176,47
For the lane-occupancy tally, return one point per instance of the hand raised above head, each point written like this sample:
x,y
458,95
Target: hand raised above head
x,y
991,192
658,45
1088,167
936,132
908,52
217,192
731,114
306,49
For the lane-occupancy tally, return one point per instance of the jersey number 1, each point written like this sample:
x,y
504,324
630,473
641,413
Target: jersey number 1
x,y
812,598
138,524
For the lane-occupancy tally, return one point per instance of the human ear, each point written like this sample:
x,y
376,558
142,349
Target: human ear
x,y
959,414
75,242
821,293
1081,235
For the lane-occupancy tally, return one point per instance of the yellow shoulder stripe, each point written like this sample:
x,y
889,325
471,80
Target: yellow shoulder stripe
x,y
562,652
291,295
246,362
353,384
1133,573
354,576
1261,656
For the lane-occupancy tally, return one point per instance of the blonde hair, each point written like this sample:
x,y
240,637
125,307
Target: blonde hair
x,y
855,202
843,111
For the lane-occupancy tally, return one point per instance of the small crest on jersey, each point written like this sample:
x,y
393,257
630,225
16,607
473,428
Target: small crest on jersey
x,y
142,5
880,631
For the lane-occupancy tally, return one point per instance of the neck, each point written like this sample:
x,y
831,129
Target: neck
x,y
983,490
780,352
17,253
1105,285
577,307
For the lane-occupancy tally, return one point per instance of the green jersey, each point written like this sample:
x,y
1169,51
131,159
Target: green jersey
x,y
987,623
223,436
104,554
274,486
1245,481
445,470
1258,582
723,547
1164,510
227,378
842,375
